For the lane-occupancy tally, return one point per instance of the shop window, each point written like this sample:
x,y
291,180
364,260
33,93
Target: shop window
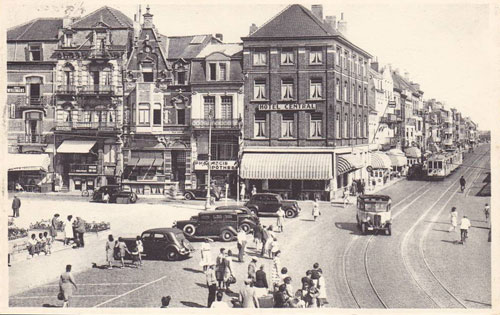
x,y
260,125
316,125
287,121
279,184
259,90
78,184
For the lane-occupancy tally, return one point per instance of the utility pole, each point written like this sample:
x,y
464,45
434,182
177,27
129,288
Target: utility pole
x,y
208,202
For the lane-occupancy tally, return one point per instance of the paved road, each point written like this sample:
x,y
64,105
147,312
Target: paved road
x,y
420,265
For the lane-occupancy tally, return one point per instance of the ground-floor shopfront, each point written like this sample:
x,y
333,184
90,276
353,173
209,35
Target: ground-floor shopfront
x,y
29,172
223,175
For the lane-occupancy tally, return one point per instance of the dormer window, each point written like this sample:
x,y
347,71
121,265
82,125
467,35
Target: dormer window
x,y
68,39
35,52
217,71
181,78
147,72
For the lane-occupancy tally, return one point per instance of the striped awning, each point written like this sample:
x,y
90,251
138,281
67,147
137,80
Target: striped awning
x,y
347,163
145,162
398,160
297,166
76,146
133,161
413,152
380,160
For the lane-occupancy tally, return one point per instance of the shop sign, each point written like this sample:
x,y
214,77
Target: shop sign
x,y
16,89
284,107
215,165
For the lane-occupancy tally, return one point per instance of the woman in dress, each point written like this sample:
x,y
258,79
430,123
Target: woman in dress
x,y
206,254
228,269
66,284
453,219
53,226
322,291
68,230
140,248
275,270
110,248
280,220
315,210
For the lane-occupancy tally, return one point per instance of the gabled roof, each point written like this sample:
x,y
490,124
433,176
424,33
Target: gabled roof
x,y
182,46
111,17
293,21
37,30
226,49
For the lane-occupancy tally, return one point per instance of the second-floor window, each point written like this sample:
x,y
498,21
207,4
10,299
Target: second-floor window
x,y
315,125
316,56
226,107
287,57
181,116
181,78
147,73
315,91
157,114
287,120
344,95
287,89
209,107
360,134
144,114
259,90
35,52
337,88
259,58
353,126
337,56
259,127
68,40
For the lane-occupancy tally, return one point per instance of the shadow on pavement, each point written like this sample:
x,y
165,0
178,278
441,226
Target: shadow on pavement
x,y
192,270
49,305
203,285
438,230
350,226
311,220
192,304
451,242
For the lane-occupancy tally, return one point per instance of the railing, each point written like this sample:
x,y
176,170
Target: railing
x,y
31,139
27,101
390,118
83,168
67,89
65,125
97,90
216,123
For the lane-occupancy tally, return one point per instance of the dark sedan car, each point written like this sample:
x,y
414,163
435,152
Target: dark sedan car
x,y
270,203
114,192
201,193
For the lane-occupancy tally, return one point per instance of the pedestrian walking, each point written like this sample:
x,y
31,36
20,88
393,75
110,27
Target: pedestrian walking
x,y
252,270
464,229
110,250
254,190
345,197
270,239
66,284
80,231
242,242
363,187
257,236
68,230
206,254
275,271
486,212
228,270
453,219
274,247
261,285
122,250
219,268
134,253
248,297
462,183
219,303
165,301
315,210
54,225
211,284
265,238
243,191
140,248
281,219
16,204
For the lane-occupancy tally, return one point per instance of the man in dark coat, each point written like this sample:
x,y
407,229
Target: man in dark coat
x,y
80,230
16,204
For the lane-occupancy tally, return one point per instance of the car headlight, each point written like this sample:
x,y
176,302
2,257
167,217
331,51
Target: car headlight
x,y
174,224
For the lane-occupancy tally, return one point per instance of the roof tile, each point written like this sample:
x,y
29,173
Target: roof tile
x,y
112,17
37,30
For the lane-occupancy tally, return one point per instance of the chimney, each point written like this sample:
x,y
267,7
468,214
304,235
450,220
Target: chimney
x,y
253,28
317,10
219,36
67,21
331,20
342,25
148,19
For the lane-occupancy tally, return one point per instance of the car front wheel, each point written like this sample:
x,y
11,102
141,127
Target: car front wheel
x,y
388,230
133,198
188,196
363,228
289,213
226,235
245,227
189,229
172,254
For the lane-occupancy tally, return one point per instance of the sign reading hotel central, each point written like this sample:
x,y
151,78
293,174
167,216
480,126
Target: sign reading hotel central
x,y
281,107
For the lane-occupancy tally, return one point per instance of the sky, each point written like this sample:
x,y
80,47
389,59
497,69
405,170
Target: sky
x,y
451,48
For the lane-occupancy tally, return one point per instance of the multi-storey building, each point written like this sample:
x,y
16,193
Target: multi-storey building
x,y
217,108
306,106
30,101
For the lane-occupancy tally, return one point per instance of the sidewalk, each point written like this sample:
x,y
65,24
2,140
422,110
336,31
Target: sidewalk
x,y
340,201
25,274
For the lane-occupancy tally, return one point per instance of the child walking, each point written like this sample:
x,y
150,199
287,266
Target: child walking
x,y
140,248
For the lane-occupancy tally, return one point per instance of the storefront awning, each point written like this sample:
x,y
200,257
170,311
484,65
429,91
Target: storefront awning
x,y
158,162
413,152
28,162
76,146
347,163
291,166
133,161
145,162
398,160
380,160
49,148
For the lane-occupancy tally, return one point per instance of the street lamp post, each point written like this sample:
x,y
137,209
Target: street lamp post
x,y
208,202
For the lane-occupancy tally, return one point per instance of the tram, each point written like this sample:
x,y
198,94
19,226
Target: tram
x,y
442,164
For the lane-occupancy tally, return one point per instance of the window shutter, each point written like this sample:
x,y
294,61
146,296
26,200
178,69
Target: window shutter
x,y
41,52
27,53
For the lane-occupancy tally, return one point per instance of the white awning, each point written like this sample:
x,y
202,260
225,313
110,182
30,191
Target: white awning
x,y
76,146
28,162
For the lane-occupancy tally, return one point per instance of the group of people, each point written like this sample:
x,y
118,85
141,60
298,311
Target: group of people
x,y
465,223
243,191
117,250
74,230
40,244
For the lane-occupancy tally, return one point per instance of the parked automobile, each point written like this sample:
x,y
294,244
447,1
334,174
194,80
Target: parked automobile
x,y
374,213
168,243
242,209
201,193
114,192
218,223
270,203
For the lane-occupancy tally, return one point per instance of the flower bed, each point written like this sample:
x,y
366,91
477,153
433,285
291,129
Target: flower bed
x,y
89,227
97,226
15,232
45,225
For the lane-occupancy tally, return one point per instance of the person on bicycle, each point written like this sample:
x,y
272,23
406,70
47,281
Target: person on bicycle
x,y
462,184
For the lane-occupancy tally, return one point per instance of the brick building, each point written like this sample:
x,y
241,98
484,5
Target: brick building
x,y
306,112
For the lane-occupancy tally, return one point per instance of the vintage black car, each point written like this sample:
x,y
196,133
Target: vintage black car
x,y
167,243
114,192
201,193
261,203
242,209
221,224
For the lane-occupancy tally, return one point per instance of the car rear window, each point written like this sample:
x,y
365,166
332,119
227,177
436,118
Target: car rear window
x,y
218,217
157,236
204,218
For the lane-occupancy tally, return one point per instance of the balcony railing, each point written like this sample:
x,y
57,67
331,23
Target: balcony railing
x,y
27,101
103,126
216,123
97,90
31,139
83,168
390,118
67,89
